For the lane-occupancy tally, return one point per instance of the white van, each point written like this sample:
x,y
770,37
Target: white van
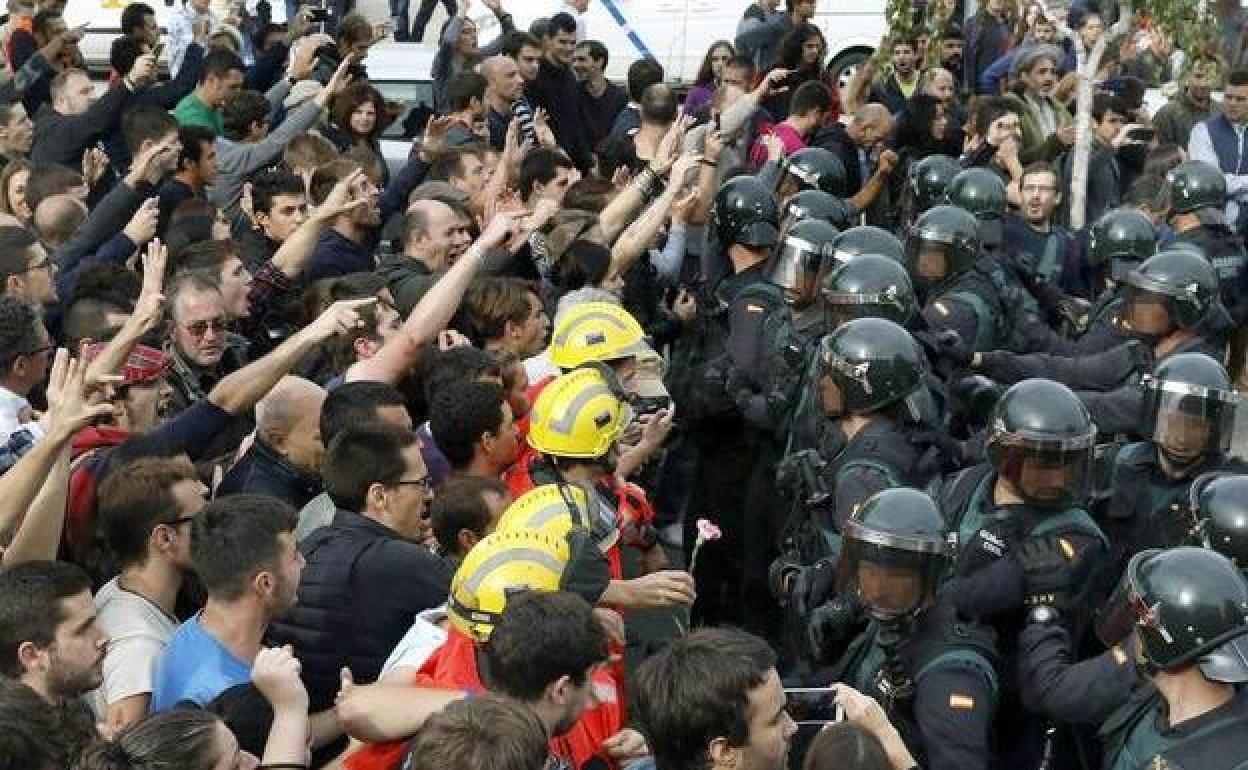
x,y
103,21
678,33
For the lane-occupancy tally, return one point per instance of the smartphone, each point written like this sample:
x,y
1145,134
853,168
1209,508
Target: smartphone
x,y
813,706
158,49
318,15
1142,134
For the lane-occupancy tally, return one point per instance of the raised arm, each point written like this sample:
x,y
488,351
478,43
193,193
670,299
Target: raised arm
x,y
238,392
434,310
34,491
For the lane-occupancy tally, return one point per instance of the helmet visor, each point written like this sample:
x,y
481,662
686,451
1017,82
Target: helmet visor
x,y
842,306
1124,611
1045,472
1190,421
930,259
759,234
892,575
796,265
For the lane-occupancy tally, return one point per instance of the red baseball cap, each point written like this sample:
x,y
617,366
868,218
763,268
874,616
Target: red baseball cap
x,y
144,364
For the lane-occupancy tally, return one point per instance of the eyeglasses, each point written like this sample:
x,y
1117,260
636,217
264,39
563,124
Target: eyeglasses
x,y
1042,188
424,482
200,328
46,263
38,350
179,521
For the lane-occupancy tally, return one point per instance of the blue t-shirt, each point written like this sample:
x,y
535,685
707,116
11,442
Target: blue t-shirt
x,y
196,667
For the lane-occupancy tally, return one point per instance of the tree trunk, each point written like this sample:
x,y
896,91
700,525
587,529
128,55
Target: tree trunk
x,y
1086,64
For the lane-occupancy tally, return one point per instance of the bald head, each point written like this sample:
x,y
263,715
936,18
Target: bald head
x,y
503,78
288,420
429,232
58,217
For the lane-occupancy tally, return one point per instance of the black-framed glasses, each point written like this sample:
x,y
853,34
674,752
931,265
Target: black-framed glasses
x,y
424,482
46,262
179,521
38,350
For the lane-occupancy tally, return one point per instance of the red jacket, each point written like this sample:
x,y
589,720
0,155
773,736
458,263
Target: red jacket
x,y
454,666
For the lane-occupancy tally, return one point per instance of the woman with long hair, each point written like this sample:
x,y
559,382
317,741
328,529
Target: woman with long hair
x,y
709,75
802,52
357,116
13,190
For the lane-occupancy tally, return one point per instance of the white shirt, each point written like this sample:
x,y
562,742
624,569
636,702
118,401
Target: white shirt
x,y
138,632
182,33
12,406
1200,147
570,9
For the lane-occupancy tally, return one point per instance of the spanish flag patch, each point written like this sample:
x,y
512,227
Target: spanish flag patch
x,y
960,702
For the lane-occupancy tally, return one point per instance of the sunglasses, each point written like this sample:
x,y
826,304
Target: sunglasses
x,y
200,328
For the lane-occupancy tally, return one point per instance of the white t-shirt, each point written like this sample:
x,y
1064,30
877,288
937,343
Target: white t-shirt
x,y
421,641
138,632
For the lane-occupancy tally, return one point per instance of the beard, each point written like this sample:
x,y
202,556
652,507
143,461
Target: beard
x,y
68,680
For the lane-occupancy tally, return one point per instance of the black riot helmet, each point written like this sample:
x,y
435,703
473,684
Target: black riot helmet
x,y
1191,407
866,365
1188,605
1040,439
816,204
929,180
895,553
745,212
981,193
814,168
804,255
1180,280
868,286
942,244
867,239
978,190
1193,185
1122,238
1219,503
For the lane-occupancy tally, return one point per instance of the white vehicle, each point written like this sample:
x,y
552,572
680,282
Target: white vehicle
x,y
401,72
677,33
102,19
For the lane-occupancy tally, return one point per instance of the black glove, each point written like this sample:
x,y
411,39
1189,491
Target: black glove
x,y
587,573
978,393
810,586
1047,565
947,345
830,624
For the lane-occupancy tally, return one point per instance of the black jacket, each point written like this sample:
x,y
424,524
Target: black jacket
x,y
360,590
263,471
555,89
836,140
63,138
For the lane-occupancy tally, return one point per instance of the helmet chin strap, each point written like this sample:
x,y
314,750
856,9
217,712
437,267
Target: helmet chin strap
x,y
893,681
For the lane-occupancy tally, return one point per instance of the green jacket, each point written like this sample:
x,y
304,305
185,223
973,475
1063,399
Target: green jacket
x,y
191,111
1036,145
1174,121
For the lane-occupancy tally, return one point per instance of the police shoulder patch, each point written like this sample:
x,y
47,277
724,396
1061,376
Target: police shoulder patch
x,y
960,702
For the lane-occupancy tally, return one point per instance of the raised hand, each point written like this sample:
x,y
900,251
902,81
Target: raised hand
x,y
339,318
142,226
275,673
342,198
70,406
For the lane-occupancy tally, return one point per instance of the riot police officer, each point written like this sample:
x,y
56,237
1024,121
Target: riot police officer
x,y
817,204
1197,196
1189,415
1039,443
956,294
926,185
811,168
1220,507
1012,514
982,194
742,361
802,258
1187,611
1170,303
867,239
868,286
932,670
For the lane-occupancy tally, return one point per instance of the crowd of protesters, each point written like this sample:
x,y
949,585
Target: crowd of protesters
x,y
772,420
